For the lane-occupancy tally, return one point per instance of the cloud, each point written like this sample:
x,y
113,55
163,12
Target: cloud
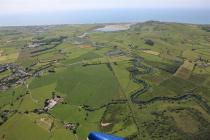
x,y
23,6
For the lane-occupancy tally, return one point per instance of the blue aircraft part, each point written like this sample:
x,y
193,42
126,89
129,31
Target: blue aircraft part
x,y
102,136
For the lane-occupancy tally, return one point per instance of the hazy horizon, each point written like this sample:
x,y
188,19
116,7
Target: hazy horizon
x,y
42,12
200,16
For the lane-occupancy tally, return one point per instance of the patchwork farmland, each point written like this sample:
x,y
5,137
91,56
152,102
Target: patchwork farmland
x,y
140,81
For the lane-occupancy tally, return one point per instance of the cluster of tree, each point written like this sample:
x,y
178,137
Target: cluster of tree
x,y
92,63
113,102
45,67
44,49
52,70
168,67
52,41
149,42
48,41
3,116
206,28
162,127
109,66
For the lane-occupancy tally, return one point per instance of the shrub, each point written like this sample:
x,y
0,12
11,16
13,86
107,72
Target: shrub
x,y
149,42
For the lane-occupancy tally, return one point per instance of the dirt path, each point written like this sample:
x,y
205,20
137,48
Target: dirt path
x,y
128,101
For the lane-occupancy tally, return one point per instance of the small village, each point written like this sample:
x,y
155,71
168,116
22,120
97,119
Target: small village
x,y
17,76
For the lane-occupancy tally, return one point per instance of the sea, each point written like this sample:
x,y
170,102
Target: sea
x,y
193,16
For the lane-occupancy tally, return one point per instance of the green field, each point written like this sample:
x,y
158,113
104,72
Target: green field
x,y
112,82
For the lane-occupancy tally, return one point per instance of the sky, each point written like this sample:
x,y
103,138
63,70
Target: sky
x,y
35,6
42,12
